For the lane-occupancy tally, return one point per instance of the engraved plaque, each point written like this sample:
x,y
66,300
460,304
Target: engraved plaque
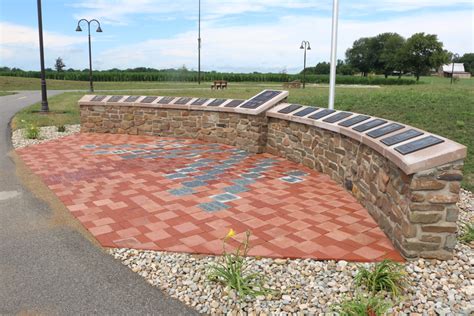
x,y
115,98
166,100
385,130
148,99
183,100
234,103
419,144
217,102
369,125
200,101
98,98
321,114
260,99
290,108
305,111
337,117
354,120
132,98
401,137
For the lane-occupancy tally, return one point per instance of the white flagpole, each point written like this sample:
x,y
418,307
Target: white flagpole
x,y
332,77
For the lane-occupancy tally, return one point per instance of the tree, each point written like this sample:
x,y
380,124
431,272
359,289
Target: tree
x,y
322,68
344,69
468,61
422,53
59,64
388,48
361,55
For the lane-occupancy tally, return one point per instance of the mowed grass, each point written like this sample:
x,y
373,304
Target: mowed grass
x,y
435,106
3,93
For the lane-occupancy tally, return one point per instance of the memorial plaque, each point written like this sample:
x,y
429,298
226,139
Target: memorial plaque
x,y
401,137
217,102
183,100
376,133
305,111
132,98
148,99
115,98
354,120
166,100
369,125
337,117
290,108
260,99
321,114
200,101
98,98
419,144
234,103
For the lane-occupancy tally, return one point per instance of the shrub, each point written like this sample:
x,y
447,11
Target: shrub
x,y
364,306
233,271
386,276
468,234
61,128
32,132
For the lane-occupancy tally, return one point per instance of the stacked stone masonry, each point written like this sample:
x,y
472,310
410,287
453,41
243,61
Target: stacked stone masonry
x,y
417,212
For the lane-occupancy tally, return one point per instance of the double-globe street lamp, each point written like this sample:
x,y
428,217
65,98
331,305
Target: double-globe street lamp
x,y
99,30
306,46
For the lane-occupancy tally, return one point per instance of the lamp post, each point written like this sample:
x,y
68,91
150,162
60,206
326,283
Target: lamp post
x,y
44,96
306,46
99,30
199,44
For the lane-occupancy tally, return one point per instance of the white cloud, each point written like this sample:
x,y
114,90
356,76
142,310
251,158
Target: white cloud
x,y
122,11
20,45
274,46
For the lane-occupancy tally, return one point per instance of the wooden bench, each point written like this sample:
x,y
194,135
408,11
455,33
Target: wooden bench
x,y
292,84
219,84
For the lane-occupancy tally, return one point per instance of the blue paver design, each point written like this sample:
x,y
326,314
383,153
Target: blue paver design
x,y
195,175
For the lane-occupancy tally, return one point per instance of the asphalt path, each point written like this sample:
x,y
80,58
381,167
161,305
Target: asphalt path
x,y
48,264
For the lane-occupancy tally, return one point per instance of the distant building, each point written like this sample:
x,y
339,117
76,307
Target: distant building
x,y
457,72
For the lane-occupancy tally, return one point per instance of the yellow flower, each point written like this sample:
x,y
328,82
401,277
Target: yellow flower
x,y
230,234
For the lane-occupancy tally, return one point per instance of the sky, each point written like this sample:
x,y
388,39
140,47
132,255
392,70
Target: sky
x,y
237,35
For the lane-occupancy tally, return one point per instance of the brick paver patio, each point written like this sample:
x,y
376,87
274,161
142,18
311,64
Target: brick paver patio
x,y
183,195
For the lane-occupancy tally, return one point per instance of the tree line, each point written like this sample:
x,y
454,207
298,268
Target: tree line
x,y
392,54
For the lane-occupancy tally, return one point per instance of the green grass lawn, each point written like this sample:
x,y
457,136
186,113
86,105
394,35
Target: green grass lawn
x,y
435,105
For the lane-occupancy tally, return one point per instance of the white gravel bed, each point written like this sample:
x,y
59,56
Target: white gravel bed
x,y
47,133
309,286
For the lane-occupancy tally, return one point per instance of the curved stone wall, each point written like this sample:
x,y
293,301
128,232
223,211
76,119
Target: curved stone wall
x,y
412,196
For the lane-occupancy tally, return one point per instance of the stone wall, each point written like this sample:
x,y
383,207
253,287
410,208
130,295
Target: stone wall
x,y
241,130
418,212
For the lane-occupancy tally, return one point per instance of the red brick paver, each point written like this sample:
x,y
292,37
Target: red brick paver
x,y
184,195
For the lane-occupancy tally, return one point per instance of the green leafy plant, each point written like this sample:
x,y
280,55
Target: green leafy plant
x,y
364,306
61,128
32,131
234,272
385,276
468,234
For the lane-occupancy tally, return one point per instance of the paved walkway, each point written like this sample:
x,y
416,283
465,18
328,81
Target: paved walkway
x,y
184,195
47,265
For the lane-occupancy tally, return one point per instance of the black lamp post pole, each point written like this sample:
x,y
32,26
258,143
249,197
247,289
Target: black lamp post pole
x,y
99,30
44,95
199,44
306,46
